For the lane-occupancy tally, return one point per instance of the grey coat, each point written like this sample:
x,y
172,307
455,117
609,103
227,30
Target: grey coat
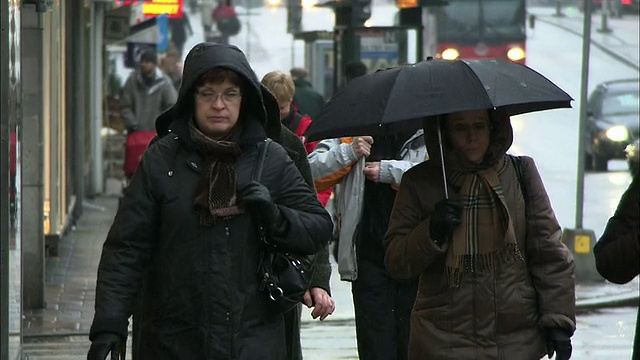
x,y
140,104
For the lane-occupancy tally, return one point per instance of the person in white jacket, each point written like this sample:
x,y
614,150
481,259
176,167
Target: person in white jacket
x,y
366,172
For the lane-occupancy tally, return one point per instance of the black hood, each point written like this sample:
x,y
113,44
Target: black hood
x,y
206,56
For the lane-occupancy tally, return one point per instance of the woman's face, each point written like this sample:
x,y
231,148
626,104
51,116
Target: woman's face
x,y
469,132
284,106
217,108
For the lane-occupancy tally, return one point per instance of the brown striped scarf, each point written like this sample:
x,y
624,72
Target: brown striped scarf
x,y
216,192
486,236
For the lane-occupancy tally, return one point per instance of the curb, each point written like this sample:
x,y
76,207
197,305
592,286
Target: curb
x,y
617,57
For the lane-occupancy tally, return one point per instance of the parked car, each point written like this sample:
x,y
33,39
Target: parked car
x,y
612,121
632,152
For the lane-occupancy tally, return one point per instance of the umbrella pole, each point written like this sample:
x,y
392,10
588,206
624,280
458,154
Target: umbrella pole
x,y
444,174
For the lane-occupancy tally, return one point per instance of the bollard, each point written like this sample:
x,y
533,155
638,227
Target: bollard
x,y
581,242
532,21
605,15
558,9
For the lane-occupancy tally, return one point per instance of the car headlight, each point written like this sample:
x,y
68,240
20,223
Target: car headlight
x,y
516,53
450,54
617,133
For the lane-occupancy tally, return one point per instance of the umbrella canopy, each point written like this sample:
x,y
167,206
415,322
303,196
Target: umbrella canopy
x,y
397,99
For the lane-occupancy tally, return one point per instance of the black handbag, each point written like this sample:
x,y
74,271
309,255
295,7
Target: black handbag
x,y
284,276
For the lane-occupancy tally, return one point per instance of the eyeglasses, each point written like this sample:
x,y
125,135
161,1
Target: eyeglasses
x,y
228,97
460,129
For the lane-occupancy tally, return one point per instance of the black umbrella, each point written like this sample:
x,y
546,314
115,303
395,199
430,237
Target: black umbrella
x,y
397,99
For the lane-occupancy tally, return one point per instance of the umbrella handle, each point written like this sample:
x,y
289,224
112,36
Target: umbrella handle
x,y
444,174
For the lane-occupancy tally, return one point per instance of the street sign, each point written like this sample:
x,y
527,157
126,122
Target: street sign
x,y
116,27
152,31
173,8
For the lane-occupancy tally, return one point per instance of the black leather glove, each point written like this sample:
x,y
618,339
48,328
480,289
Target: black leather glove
x,y
256,197
558,341
444,219
103,344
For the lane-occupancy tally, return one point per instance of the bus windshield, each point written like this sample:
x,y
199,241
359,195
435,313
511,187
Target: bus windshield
x,y
489,21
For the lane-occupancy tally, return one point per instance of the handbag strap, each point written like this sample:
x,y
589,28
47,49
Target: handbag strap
x,y
256,175
263,147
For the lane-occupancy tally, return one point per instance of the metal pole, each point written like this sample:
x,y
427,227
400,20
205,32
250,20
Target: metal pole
x,y
78,110
444,173
4,179
97,11
586,42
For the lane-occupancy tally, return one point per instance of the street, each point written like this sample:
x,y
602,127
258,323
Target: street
x,y
550,137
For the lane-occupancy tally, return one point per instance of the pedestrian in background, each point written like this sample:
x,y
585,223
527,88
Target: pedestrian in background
x,y
171,65
187,227
617,251
319,294
496,281
365,172
306,99
146,93
179,28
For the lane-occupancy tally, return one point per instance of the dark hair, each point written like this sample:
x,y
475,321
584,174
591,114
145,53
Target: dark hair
x,y
218,76
354,70
149,55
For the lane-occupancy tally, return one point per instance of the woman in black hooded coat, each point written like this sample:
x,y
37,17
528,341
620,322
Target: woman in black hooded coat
x,y
186,226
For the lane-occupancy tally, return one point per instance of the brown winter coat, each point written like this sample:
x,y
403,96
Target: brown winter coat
x,y
500,315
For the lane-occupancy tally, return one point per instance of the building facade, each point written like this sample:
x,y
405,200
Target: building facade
x,y
50,141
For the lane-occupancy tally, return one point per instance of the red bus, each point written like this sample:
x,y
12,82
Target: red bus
x,y
479,29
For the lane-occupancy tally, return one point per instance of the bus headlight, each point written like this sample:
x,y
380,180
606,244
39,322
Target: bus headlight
x,y
450,54
617,133
516,53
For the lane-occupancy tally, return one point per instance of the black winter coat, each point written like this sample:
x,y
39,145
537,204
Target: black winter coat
x,y
201,296
617,252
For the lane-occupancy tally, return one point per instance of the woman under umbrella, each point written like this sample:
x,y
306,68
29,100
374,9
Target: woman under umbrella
x,y
186,225
496,282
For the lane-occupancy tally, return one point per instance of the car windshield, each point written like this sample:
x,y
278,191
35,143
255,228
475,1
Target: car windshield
x,y
475,20
623,103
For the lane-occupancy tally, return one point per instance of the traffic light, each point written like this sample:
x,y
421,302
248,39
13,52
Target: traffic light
x,y
294,16
361,11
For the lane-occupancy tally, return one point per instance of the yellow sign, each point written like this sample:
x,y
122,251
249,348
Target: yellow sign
x,y
173,8
582,244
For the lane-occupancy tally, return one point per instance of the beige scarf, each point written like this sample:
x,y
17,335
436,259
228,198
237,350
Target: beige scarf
x,y
486,236
216,192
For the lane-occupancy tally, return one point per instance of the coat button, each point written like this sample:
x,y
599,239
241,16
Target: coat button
x,y
170,173
194,165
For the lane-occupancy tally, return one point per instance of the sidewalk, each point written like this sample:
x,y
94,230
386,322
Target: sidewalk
x,y
71,280
621,43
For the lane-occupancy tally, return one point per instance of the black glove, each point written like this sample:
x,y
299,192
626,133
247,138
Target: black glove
x,y
558,341
256,196
103,344
444,219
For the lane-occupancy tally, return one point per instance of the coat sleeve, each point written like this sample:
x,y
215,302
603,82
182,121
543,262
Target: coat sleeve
x,y
410,250
169,94
127,105
550,262
330,161
617,252
126,254
309,224
391,171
